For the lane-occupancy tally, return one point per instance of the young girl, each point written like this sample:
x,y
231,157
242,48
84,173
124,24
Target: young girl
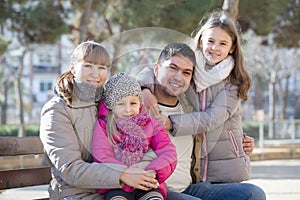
x,y
220,83
125,132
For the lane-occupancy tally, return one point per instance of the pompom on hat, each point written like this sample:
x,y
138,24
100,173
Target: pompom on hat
x,y
119,86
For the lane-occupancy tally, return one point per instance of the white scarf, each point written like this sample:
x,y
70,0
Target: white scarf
x,y
205,78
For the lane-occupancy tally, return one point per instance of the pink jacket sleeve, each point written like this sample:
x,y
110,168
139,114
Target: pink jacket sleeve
x,y
166,160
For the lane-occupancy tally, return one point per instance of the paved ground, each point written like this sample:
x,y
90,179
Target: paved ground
x,y
280,179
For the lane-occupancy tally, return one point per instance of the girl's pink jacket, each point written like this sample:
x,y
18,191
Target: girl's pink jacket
x,y
158,139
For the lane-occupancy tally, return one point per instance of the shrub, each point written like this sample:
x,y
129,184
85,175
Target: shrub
x,y
251,128
12,130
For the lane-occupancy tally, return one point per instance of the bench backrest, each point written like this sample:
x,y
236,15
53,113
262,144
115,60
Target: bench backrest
x,y
16,178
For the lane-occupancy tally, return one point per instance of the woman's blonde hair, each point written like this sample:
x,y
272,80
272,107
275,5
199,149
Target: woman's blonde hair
x,y
238,76
88,51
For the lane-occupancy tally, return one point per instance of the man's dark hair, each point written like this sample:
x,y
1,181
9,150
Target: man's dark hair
x,y
180,49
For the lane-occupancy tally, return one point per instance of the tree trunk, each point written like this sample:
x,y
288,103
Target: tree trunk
x,y
6,85
285,98
115,61
84,21
19,96
271,109
59,46
115,58
4,88
231,7
31,86
258,98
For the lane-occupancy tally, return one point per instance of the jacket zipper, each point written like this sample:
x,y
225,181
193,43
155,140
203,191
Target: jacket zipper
x,y
234,143
204,178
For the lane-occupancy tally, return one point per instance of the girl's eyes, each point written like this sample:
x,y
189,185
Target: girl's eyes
x,y
101,68
212,41
134,103
87,66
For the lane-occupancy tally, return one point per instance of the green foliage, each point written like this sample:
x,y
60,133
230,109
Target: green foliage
x,y
4,42
12,130
252,129
183,16
280,17
37,22
287,30
179,15
260,15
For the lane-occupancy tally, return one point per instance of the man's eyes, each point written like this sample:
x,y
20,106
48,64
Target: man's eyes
x,y
188,73
173,68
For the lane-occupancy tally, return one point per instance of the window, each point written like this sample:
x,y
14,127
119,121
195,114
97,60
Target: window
x,y
45,86
45,59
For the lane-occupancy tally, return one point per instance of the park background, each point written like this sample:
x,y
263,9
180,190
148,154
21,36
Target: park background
x,y
37,39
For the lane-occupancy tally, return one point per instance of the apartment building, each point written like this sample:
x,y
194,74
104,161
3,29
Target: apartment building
x,y
42,65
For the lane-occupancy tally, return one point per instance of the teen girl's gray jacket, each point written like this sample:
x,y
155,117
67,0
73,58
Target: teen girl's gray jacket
x,y
227,162
66,133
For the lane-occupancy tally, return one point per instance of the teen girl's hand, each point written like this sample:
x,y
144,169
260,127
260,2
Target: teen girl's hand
x,y
150,103
139,179
248,144
165,121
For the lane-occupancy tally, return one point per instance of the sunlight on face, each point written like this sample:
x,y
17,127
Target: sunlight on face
x,y
174,75
127,107
216,44
90,73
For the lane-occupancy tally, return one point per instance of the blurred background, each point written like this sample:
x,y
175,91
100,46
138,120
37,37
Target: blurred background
x,y
37,38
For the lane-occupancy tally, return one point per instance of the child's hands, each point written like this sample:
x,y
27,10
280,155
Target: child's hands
x,y
139,179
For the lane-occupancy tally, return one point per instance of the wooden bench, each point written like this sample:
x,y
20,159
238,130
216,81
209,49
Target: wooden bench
x,y
24,177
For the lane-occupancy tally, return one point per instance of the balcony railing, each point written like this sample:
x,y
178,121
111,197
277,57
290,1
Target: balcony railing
x,y
45,69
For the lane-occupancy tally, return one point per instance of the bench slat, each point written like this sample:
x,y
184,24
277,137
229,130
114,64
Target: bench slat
x,y
24,177
12,146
